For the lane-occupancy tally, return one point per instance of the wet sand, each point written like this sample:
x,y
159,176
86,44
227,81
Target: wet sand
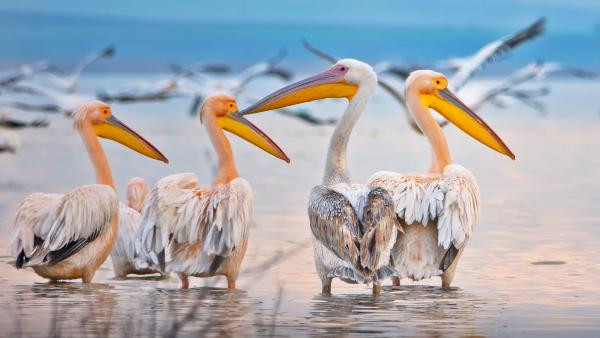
x,y
531,267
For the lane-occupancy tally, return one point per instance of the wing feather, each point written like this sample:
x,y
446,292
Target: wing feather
x,y
50,228
178,212
451,199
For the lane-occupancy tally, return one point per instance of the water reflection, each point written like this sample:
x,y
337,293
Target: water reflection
x,y
436,310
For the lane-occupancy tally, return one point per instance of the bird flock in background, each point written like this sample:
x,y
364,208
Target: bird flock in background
x,y
400,226
57,90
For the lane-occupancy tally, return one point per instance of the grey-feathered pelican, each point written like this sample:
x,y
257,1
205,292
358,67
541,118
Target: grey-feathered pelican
x,y
353,227
438,209
201,231
68,236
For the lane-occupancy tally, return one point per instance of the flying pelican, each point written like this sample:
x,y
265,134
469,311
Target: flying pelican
x,y
11,77
353,226
7,121
465,68
62,102
124,251
510,86
69,236
203,231
68,83
438,209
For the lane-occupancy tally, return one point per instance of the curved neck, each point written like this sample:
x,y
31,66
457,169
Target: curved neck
x,y
439,147
336,168
97,156
226,170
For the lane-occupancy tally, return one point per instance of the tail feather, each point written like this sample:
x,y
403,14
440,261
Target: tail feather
x,y
347,274
448,258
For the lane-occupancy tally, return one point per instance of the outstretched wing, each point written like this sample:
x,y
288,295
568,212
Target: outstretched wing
x,y
451,199
492,51
217,219
50,228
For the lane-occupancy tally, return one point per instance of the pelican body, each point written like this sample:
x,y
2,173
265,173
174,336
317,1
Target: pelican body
x,y
353,226
124,252
69,236
201,231
438,209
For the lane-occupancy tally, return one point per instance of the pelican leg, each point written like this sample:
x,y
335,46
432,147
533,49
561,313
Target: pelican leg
x,y
185,282
88,275
326,288
448,275
231,283
396,281
376,288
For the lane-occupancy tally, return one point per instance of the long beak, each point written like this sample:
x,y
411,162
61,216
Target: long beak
x,y
237,124
329,84
112,128
447,104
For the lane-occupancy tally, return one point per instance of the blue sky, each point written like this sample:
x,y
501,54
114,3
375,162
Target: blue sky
x,y
572,16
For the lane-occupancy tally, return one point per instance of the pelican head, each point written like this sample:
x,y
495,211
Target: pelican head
x,y
136,193
432,88
342,80
225,109
104,124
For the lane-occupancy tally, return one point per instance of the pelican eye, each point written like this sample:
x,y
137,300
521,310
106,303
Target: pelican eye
x,y
437,81
343,69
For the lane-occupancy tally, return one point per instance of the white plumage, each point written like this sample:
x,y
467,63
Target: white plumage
x,y
52,229
195,230
124,251
446,204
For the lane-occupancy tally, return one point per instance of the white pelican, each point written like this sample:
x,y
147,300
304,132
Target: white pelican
x,y
467,67
124,251
7,121
11,77
62,102
438,209
203,231
68,83
69,236
353,227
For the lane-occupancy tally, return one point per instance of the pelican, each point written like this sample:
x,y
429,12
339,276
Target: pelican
x,y
11,77
66,103
232,85
509,87
203,231
124,251
6,121
438,209
353,226
68,83
68,236
465,68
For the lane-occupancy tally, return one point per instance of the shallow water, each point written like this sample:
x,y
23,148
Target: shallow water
x,y
531,268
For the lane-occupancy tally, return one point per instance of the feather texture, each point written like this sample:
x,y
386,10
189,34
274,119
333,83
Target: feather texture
x,y
62,224
353,230
193,224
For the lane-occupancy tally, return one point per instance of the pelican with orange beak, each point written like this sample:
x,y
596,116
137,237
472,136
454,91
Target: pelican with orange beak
x,y
199,231
342,213
354,227
68,236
